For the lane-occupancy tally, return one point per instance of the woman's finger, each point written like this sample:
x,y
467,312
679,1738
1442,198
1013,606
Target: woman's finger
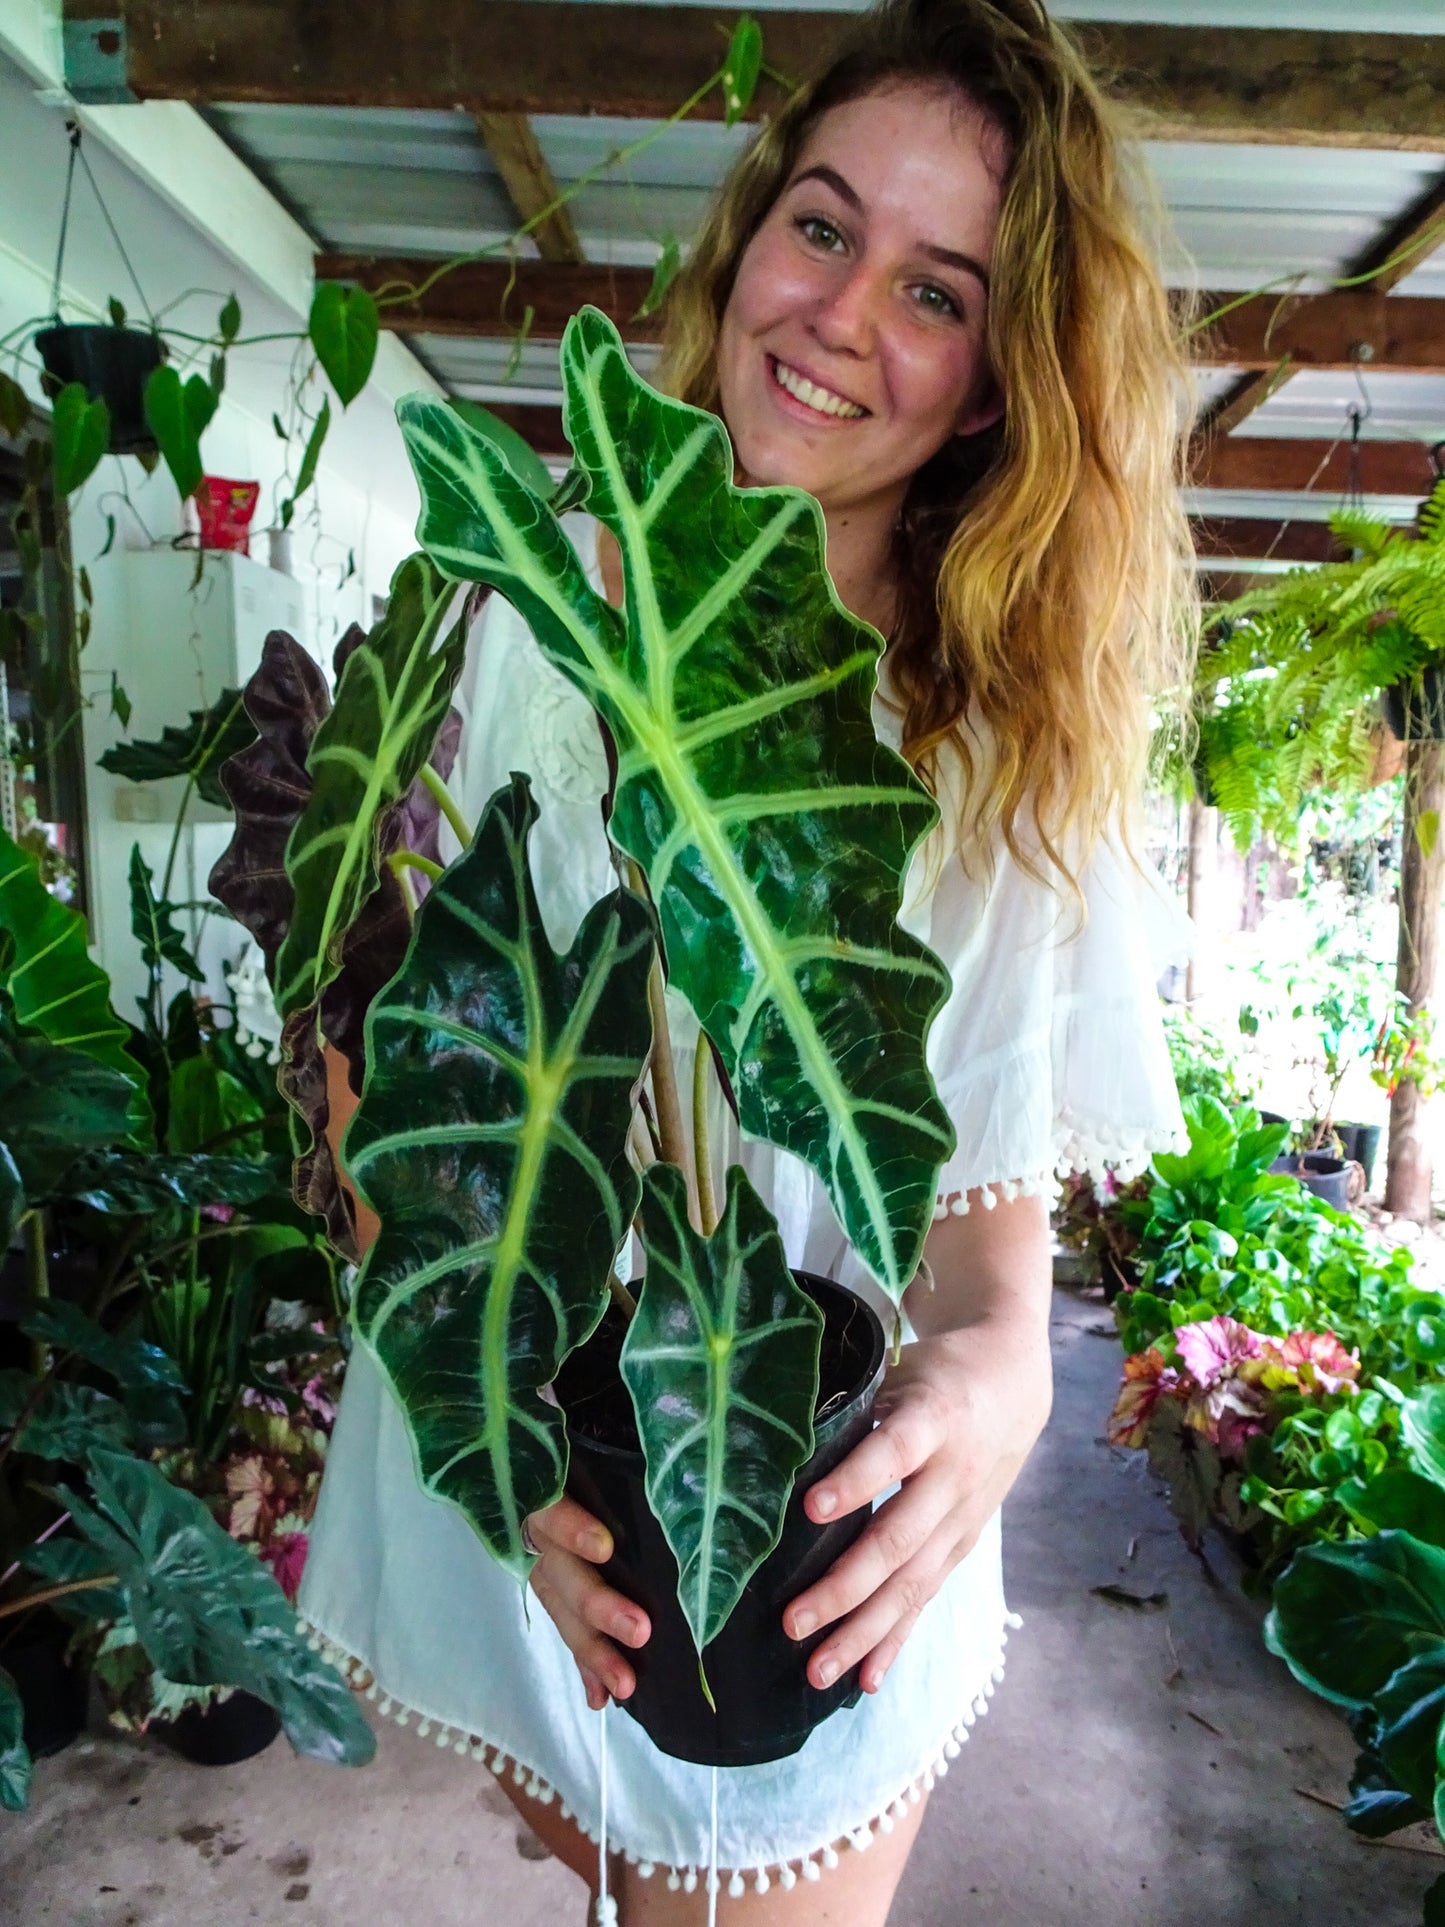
x,y
874,1669
907,1438
902,1599
570,1605
895,1534
572,1528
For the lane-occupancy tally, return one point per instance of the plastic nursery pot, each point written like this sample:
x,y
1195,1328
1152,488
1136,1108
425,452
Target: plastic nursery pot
x,y
1328,1178
1362,1144
765,1706
223,1733
1272,1117
1415,709
112,365
54,1696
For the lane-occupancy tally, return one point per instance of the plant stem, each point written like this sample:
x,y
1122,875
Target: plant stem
x,y
622,1297
461,829
47,1593
39,1268
400,860
701,1148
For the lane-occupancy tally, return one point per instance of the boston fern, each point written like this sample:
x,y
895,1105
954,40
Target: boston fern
x,y
1287,698
505,1136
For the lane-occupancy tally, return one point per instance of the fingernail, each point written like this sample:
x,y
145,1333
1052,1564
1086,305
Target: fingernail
x,y
827,1671
803,1623
618,1686
631,1628
824,1502
597,1545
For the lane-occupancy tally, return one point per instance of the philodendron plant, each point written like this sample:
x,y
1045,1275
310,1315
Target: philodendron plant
x,y
507,1135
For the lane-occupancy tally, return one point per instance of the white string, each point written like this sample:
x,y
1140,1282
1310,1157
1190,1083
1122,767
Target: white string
x,y
713,1882
606,1906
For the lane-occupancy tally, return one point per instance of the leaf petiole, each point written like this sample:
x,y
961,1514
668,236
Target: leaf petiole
x,y
461,829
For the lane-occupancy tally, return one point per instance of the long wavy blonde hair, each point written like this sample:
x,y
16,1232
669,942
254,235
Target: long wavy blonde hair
x,y
1045,566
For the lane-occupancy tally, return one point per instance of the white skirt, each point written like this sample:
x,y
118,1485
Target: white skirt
x,y
398,1585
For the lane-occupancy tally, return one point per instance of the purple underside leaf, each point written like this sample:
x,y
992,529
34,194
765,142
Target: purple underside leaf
x,y
269,786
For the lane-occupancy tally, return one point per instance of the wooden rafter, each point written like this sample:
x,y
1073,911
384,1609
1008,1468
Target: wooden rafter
x,y
1289,467
512,144
1246,538
1357,89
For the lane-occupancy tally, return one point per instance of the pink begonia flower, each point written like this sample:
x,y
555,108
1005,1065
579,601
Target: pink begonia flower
x,y
321,1408
218,1213
1229,1412
1315,1361
1213,1349
285,1554
1147,1379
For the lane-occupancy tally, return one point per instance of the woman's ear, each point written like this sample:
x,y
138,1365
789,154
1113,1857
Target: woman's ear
x,y
984,409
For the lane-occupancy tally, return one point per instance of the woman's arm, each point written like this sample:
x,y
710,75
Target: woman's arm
x,y
958,1416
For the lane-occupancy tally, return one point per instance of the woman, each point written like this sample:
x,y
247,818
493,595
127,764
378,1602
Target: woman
x,y
923,296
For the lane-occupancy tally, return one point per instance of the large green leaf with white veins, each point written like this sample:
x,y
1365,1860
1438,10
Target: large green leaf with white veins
x,y
722,1364
491,1139
774,829
393,694
56,988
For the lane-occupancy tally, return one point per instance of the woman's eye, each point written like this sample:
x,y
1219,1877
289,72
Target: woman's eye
x,y
939,301
822,233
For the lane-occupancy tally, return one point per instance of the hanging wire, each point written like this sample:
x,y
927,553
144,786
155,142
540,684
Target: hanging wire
x,y
74,131
77,153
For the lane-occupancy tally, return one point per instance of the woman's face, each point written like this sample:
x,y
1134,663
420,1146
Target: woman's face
x,y
852,346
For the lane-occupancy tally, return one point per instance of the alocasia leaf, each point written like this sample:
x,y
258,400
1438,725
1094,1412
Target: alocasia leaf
x,y
722,1364
59,1561
1346,1617
66,1423
207,1612
152,924
134,1184
55,987
269,786
393,694
774,829
134,1363
55,1105
196,749
492,1141
14,1754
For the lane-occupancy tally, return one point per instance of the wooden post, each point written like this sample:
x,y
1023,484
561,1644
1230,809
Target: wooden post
x,y
1203,835
1422,877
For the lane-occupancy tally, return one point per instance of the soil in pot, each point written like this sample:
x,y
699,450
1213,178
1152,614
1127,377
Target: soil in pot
x,y
54,1696
112,365
765,1706
227,1731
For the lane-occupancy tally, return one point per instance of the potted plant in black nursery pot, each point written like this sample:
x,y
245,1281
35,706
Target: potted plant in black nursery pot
x,y
519,1108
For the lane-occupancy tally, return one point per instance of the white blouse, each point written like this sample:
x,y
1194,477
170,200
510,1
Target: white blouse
x,y
1049,1056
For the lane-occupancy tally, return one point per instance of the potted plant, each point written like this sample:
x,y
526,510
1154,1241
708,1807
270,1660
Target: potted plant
x,y
519,1109
113,364
106,1436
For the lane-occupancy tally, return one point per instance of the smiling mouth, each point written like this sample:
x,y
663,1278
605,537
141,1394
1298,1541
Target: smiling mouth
x,y
821,400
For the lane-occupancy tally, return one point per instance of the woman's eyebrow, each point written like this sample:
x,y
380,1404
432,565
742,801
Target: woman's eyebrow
x,y
946,257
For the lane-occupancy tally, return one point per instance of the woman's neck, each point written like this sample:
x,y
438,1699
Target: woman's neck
x,y
863,563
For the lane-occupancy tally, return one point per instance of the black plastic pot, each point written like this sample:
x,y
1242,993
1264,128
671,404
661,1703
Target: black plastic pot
x,y
113,365
1328,1178
765,1707
53,1695
1272,1117
1361,1142
1415,709
223,1733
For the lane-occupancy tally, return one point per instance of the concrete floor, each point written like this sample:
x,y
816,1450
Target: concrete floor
x,y
1139,1767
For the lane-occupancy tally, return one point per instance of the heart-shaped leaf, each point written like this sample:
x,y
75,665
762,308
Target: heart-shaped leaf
x,y
344,329
207,1612
774,829
1346,1617
196,749
722,1364
79,436
178,414
15,1767
55,987
491,1139
741,69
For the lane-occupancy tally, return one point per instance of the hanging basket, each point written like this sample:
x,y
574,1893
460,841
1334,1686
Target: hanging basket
x,y
1415,708
113,365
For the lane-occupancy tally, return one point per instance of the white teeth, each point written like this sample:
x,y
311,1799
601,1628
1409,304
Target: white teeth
x,y
821,399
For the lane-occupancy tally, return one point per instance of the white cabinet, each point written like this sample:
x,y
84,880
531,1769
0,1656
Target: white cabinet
x,y
174,628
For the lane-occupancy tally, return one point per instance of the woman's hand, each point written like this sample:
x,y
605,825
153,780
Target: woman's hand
x,y
958,1415
571,1544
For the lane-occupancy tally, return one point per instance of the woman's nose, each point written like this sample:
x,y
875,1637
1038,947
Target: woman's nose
x,y
846,319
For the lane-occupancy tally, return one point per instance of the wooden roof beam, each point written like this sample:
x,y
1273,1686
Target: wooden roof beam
x,y
1290,467
1357,89
529,181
